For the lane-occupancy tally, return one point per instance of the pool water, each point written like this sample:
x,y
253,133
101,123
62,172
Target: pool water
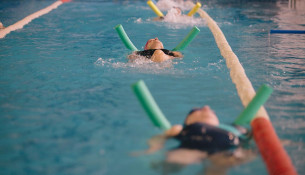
x,y
67,107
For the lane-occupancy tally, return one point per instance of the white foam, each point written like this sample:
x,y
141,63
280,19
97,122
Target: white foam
x,y
140,64
179,21
139,20
168,4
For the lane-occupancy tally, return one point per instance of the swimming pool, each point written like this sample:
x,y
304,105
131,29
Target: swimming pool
x,y
67,106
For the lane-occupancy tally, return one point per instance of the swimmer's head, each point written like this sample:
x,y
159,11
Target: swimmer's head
x,y
153,44
202,115
177,11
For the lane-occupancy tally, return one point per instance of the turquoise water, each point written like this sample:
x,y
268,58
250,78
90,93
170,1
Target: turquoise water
x,y
67,107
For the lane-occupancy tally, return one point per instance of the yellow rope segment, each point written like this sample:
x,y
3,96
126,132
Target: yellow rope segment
x,y
243,85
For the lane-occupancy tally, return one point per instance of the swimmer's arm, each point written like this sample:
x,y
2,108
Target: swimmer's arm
x,y
177,54
173,131
133,55
157,142
159,18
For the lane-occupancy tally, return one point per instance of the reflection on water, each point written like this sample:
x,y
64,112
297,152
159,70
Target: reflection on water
x,y
298,5
287,53
290,18
287,66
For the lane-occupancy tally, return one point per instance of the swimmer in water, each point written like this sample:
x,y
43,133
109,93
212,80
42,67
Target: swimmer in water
x,y
173,12
200,138
155,51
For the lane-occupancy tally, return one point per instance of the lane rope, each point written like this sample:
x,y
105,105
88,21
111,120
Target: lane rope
x,y
276,158
243,85
20,24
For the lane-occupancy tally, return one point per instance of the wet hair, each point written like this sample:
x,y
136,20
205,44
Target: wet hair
x,y
191,111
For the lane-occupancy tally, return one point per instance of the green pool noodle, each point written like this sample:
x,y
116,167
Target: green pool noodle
x,y
188,39
150,106
122,34
249,112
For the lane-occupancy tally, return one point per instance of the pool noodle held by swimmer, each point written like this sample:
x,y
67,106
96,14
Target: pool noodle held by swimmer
x,y
157,117
124,37
129,45
150,106
155,50
195,9
155,8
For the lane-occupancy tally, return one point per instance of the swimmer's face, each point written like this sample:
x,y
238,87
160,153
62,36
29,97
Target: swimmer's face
x,y
154,44
202,115
177,11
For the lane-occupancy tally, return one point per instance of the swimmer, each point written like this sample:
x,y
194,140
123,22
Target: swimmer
x,y
200,139
1,26
155,51
173,12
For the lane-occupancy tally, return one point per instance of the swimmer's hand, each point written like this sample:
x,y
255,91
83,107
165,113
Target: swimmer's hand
x,y
132,56
155,144
177,54
174,131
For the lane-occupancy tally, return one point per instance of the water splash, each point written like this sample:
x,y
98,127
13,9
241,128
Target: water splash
x,y
168,4
140,64
218,65
180,21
